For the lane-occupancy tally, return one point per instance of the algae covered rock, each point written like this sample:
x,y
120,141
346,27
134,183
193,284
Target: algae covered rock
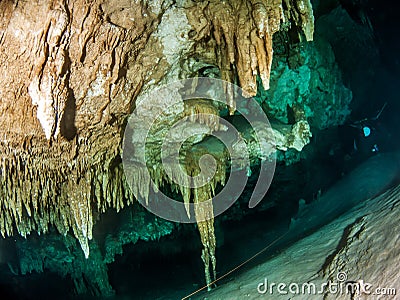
x,y
306,84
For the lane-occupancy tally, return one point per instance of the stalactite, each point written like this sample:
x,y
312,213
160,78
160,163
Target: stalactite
x,y
243,33
51,179
301,14
203,112
56,191
179,181
202,196
207,234
64,101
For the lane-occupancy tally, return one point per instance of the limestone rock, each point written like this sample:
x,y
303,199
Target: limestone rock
x,y
306,84
73,72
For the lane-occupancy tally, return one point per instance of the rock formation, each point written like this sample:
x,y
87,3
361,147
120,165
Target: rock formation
x,y
74,71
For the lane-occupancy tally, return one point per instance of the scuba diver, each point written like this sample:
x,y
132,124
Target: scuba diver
x,y
370,136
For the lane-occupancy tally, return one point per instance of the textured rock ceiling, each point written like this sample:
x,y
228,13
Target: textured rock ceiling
x,y
72,72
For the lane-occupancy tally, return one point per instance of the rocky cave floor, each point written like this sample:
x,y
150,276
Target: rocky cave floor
x,y
361,245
